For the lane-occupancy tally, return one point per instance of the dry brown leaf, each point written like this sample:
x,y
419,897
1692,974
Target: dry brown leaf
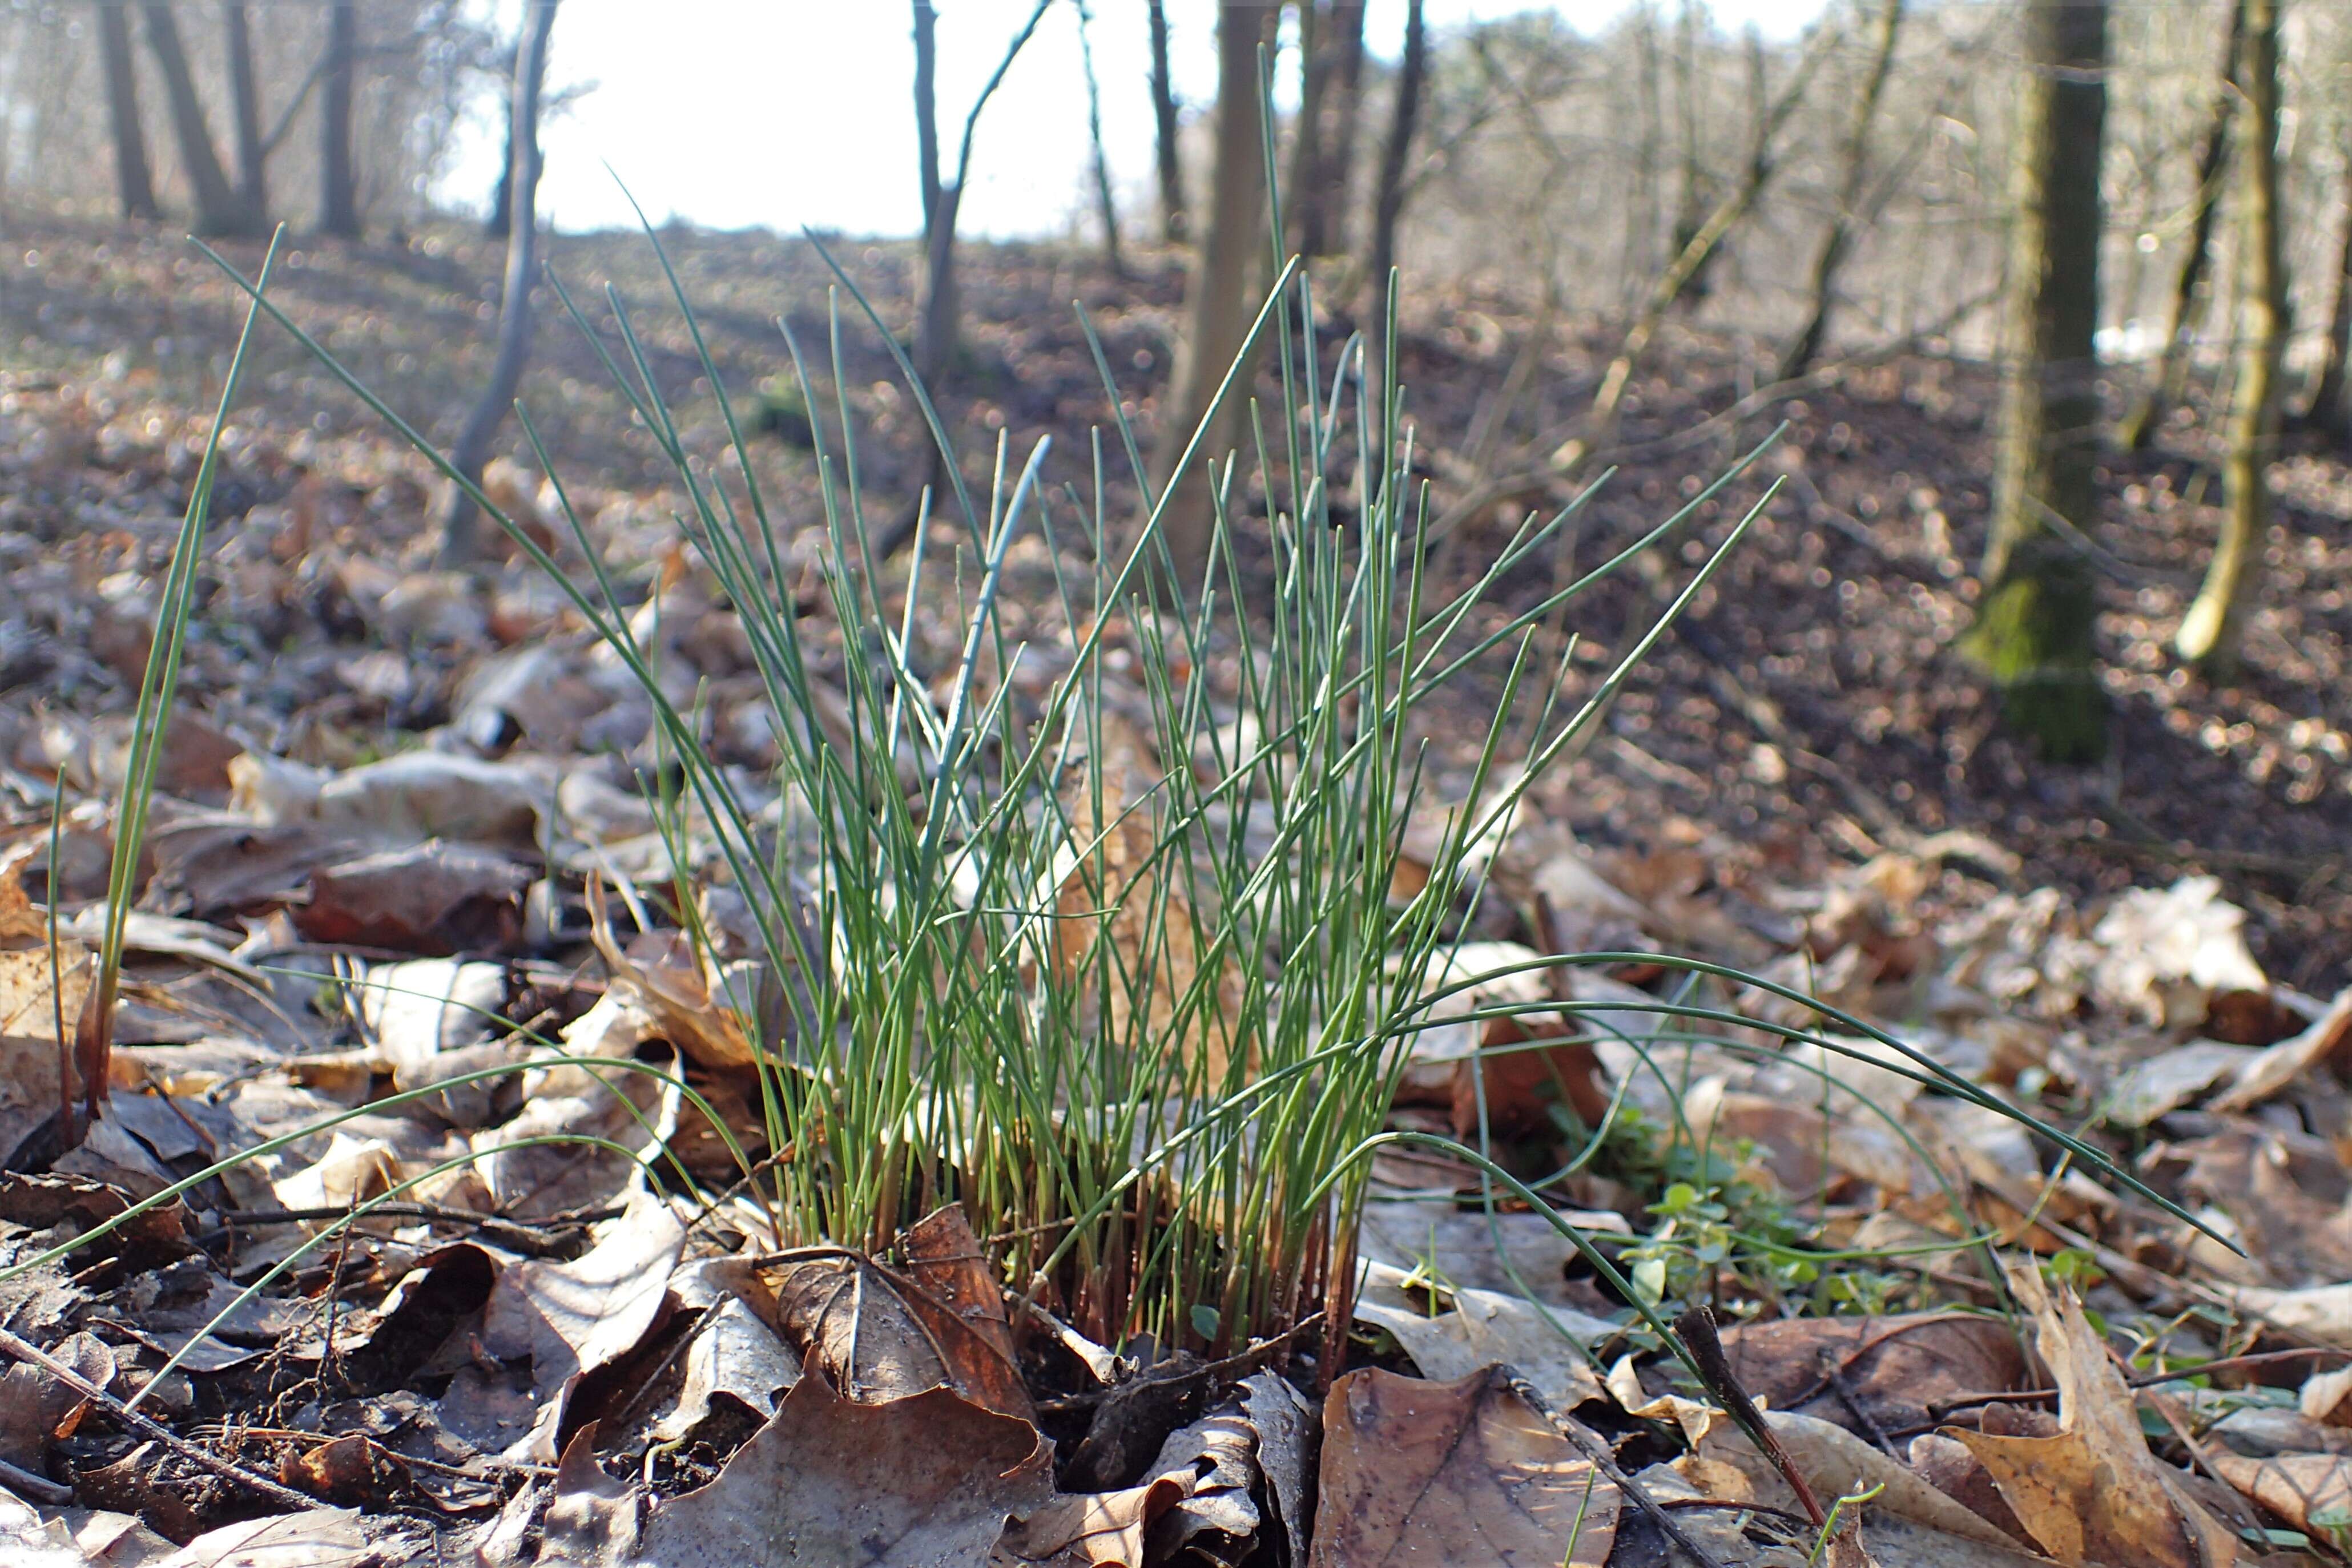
x,y
2092,1493
1091,1529
881,1336
1459,1473
1896,1367
945,1259
34,1056
837,1483
573,1318
2293,1486
2293,1058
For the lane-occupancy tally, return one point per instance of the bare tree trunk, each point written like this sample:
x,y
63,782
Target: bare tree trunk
x,y
1388,201
942,314
1322,194
500,220
218,211
1174,226
245,101
134,184
1307,132
1690,210
460,518
1600,424
1106,203
2033,632
2165,388
927,107
1214,307
2328,411
2210,632
1807,344
339,207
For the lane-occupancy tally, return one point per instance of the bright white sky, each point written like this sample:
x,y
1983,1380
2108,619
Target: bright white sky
x,y
780,113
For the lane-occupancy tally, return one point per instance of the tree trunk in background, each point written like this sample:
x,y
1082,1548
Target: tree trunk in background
x,y
460,518
2033,631
2210,631
244,102
1388,201
1690,206
1307,130
1106,203
1174,224
1807,345
218,209
1321,196
134,183
2326,412
1216,312
2165,388
927,107
339,205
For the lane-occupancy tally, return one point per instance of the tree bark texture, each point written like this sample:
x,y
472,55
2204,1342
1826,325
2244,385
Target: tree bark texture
x,y
2327,412
1320,189
218,209
1105,202
1215,308
2033,632
339,205
1838,239
1404,122
134,181
2165,388
1175,225
2211,631
460,517
245,104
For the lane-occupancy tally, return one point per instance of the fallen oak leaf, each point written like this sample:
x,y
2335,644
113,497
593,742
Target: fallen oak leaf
x,y
919,1482
1461,1472
2092,1493
2296,1487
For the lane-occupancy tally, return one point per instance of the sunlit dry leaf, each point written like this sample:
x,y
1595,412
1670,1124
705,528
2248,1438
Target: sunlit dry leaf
x,y
2323,1043
1486,1327
1091,1529
2092,1493
945,1258
1836,1463
881,1336
322,1538
2168,951
2294,1485
573,1318
1461,1472
33,1055
836,1483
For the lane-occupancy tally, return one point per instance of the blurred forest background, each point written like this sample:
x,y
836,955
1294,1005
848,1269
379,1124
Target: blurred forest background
x,y
2053,296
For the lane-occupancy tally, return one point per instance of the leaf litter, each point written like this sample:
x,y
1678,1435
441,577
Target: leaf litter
x,y
454,1340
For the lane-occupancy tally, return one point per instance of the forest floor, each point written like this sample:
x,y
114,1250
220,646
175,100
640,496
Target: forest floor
x,y
385,779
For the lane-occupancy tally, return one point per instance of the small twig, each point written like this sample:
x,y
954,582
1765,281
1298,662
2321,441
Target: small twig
x,y
1597,1453
40,1489
1697,1329
25,1351
515,1237
1943,1407
1850,1398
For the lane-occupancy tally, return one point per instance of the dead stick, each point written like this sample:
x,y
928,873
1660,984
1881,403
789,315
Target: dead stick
x,y
25,1351
1598,1453
1697,1329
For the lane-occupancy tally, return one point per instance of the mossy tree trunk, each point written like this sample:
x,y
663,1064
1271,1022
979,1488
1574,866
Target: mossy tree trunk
x,y
135,181
2033,632
1215,307
2170,382
2209,631
1838,239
